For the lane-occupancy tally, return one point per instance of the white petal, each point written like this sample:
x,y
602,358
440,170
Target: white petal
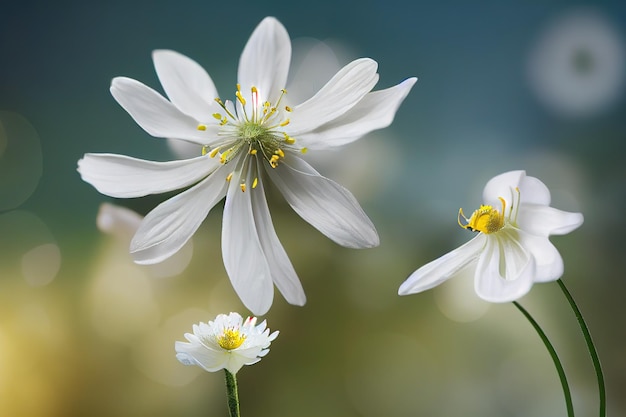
x,y
125,177
187,84
197,354
546,221
156,115
503,185
242,252
443,268
375,111
170,225
283,273
505,271
339,95
326,205
548,261
533,191
265,60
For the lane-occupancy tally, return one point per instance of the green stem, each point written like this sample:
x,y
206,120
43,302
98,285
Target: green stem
x,y
233,395
590,346
555,358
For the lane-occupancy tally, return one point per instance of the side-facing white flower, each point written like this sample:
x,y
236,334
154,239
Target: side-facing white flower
x,y
228,343
258,135
512,250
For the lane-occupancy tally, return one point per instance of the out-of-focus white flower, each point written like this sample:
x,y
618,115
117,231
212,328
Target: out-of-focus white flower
x,y
512,250
578,66
228,343
258,135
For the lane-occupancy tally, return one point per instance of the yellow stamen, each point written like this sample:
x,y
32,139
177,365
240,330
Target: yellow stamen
x,y
231,339
253,151
485,220
204,148
239,96
243,187
255,182
217,116
288,139
289,109
284,122
280,153
229,176
201,127
304,150
214,152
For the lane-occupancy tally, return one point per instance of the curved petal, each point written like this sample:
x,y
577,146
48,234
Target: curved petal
x,y
170,224
339,95
244,258
125,177
187,84
545,221
283,273
375,111
505,270
503,185
156,115
533,191
443,268
197,354
265,60
326,205
548,260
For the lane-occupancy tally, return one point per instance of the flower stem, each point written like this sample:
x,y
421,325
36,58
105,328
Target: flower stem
x,y
557,362
590,346
233,395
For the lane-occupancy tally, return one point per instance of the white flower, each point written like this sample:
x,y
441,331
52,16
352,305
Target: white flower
x,y
257,135
512,250
226,343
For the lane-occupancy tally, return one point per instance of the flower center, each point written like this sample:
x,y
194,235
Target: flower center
x,y
256,128
488,219
231,339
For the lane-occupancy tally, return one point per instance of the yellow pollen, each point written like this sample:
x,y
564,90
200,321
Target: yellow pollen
x,y
284,122
253,151
255,182
217,116
240,98
280,153
214,152
231,339
224,156
229,177
202,127
289,140
304,150
485,220
254,90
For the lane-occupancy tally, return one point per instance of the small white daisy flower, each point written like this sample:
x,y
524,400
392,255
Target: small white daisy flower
x,y
228,343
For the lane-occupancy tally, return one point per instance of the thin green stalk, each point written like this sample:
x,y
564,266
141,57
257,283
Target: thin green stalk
x,y
590,346
557,362
232,393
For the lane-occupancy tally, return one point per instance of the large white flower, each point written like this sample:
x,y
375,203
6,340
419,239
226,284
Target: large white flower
x,y
260,134
512,250
228,343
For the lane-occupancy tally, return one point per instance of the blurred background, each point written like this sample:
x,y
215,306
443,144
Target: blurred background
x,y
502,85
